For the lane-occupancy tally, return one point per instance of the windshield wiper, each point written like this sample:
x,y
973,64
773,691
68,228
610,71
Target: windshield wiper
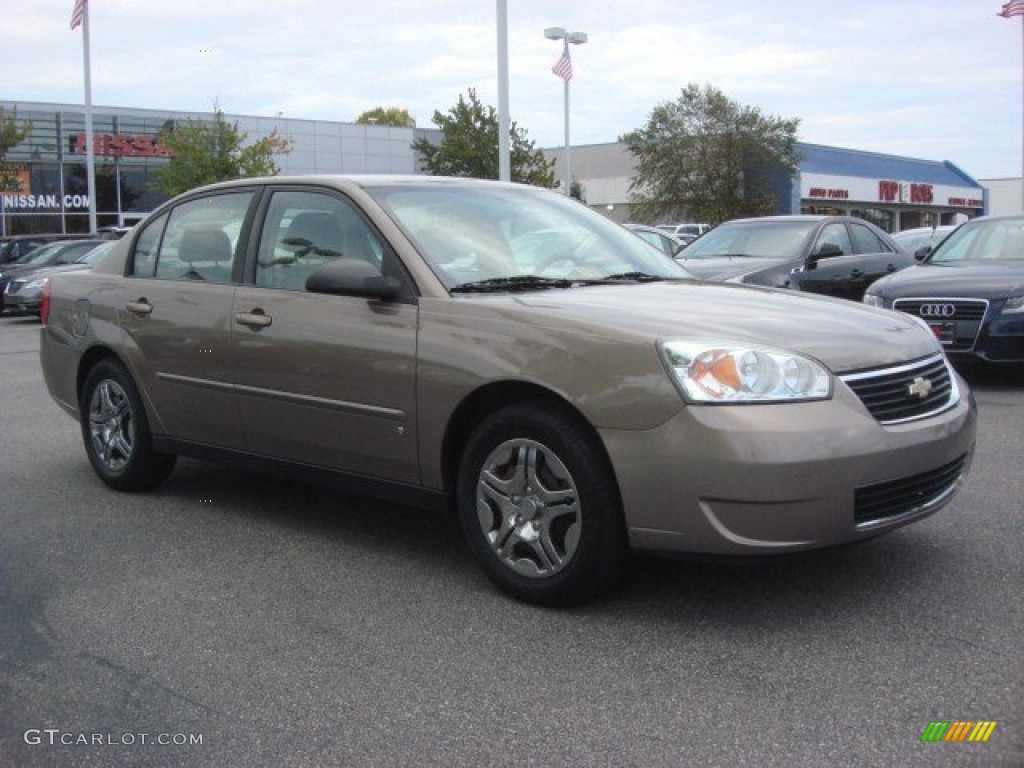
x,y
639,277
518,283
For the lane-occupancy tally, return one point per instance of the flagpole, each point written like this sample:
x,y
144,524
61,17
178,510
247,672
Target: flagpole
x,y
504,150
90,160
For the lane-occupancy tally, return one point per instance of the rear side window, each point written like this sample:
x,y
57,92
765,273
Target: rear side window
x,y
866,241
196,240
146,247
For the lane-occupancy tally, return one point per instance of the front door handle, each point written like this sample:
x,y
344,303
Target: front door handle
x,y
255,319
856,273
139,306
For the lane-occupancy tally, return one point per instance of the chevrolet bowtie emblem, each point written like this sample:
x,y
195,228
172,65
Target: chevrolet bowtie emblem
x,y
920,387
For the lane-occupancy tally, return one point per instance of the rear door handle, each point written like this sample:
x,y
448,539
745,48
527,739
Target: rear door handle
x,y
139,306
255,319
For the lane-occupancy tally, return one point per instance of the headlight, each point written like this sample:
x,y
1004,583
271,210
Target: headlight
x,y
734,373
33,285
1014,305
873,300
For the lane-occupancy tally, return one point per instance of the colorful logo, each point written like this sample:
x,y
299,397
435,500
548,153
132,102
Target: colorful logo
x,y
958,730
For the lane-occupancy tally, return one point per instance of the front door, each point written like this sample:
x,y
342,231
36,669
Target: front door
x,y
324,380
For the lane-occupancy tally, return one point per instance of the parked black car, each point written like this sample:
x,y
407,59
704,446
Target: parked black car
x,y
969,290
834,255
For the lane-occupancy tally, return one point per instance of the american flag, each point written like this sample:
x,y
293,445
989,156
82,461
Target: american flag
x,y
1012,8
563,67
78,13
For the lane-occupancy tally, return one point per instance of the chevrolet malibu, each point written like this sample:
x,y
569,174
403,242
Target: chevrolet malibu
x,y
504,352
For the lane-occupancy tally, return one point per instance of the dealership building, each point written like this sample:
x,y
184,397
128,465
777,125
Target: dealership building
x,y
893,192
46,177
46,186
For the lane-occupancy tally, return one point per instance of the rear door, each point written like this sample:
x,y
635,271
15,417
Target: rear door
x,y
176,316
876,257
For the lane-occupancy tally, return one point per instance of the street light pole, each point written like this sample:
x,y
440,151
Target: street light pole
x,y
563,68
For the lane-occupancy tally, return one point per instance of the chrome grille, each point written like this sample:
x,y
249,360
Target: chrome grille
x,y
905,392
880,502
939,310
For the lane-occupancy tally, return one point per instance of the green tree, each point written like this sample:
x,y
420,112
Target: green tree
x,y
204,152
709,158
11,135
388,116
469,146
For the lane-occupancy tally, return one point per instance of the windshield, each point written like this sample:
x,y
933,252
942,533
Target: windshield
x,y
518,238
984,241
765,239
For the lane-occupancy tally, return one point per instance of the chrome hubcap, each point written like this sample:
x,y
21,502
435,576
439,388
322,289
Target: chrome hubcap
x,y
110,425
528,508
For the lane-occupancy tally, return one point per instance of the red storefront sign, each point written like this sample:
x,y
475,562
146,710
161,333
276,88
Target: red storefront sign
x,y
121,145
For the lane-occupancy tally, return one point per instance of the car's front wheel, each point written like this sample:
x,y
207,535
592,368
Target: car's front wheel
x,y
116,431
539,506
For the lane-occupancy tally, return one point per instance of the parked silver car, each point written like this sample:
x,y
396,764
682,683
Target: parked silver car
x,y
507,352
24,292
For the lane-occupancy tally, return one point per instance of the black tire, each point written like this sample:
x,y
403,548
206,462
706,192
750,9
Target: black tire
x,y
539,506
116,433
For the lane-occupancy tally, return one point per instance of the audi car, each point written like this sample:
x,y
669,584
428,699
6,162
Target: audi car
x,y
834,255
969,290
502,351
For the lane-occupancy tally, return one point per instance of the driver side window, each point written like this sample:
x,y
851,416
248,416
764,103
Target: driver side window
x,y
837,235
305,230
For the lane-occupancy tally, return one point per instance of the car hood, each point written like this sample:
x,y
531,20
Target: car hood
x,y
726,267
974,280
843,335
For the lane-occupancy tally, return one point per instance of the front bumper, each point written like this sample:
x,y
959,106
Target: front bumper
x,y
763,479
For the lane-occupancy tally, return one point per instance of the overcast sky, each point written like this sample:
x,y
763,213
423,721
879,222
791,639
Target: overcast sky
x,y
935,79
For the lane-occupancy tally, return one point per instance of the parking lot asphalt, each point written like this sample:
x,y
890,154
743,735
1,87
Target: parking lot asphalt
x,y
231,619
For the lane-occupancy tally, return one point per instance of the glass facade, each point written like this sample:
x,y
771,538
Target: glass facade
x,y
45,184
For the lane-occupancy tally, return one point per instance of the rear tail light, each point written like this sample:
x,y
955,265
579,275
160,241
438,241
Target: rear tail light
x,y
44,302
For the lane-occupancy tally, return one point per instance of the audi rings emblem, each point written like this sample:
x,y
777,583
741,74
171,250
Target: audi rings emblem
x,y
937,310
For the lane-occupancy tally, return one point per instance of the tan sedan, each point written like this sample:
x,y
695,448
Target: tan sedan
x,y
509,353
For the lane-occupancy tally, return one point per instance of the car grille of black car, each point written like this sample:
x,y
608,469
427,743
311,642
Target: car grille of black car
x,y
905,392
882,502
964,315
943,309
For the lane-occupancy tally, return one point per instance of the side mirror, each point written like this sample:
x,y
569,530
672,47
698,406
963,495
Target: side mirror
x,y
922,253
348,277
679,249
827,251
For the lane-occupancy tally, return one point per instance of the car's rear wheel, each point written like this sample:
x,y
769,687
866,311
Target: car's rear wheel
x,y
116,431
539,506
